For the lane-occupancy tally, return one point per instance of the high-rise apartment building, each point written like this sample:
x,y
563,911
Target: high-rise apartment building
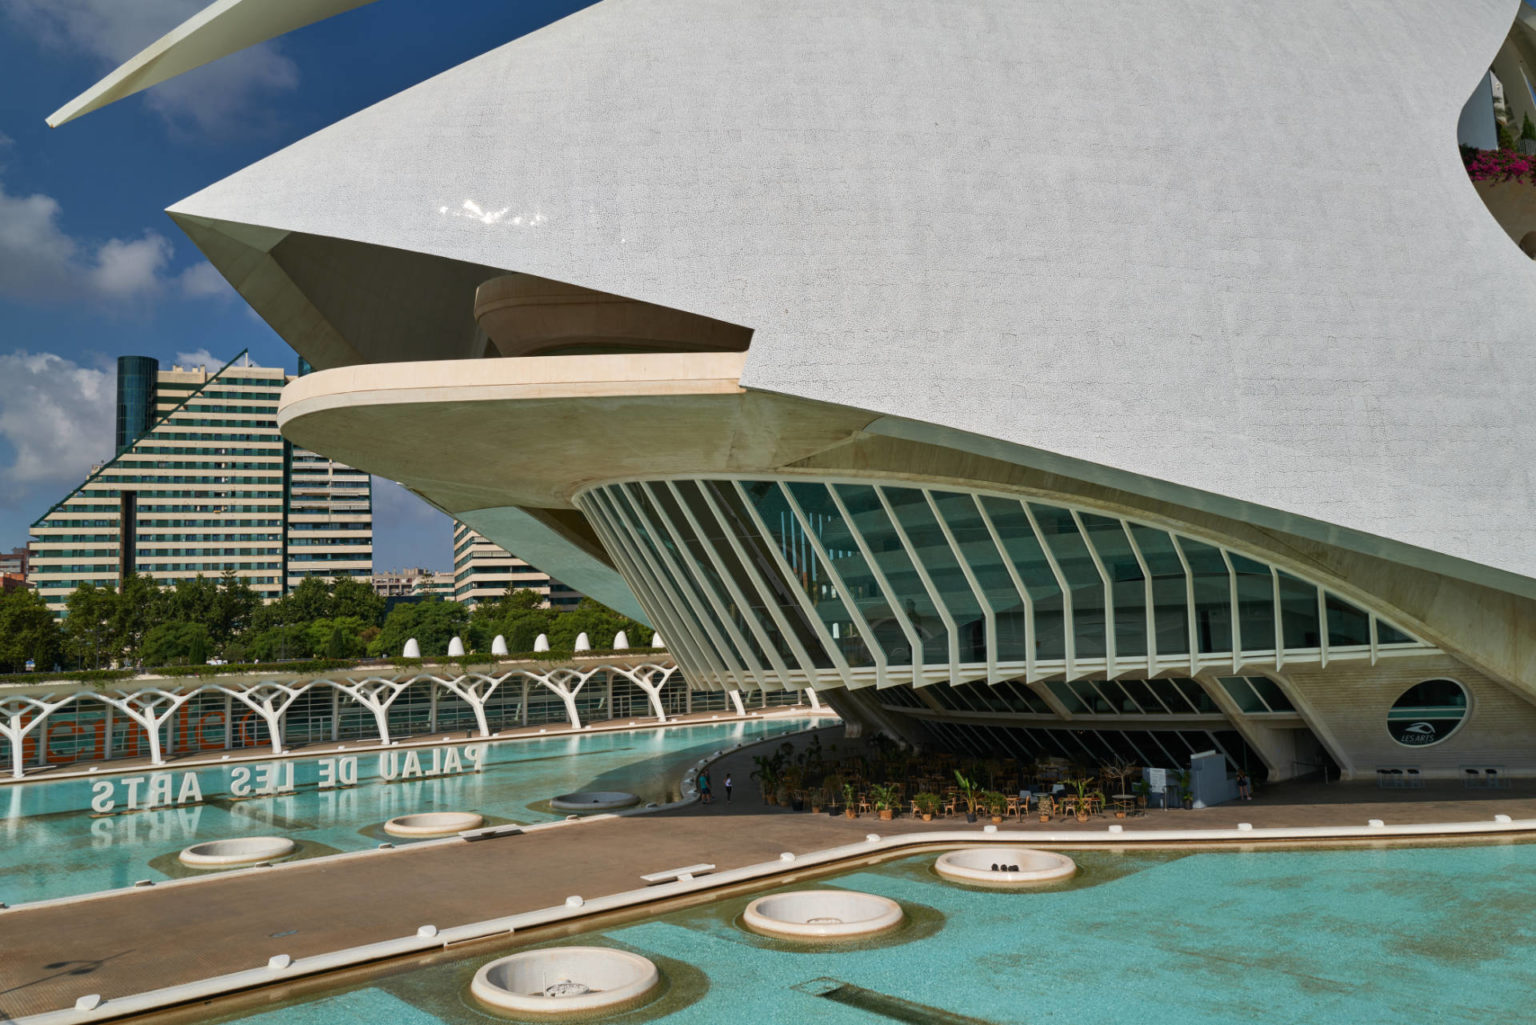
x,y
484,571
202,482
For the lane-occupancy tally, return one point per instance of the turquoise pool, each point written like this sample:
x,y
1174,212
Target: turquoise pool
x,y
1388,936
79,836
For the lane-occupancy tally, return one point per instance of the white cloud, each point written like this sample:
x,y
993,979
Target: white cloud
x,y
200,358
212,98
57,417
127,269
41,262
201,280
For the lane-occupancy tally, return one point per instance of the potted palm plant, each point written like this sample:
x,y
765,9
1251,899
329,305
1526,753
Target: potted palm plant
x,y
969,790
848,808
995,803
927,804
883,796
832,789
1080,788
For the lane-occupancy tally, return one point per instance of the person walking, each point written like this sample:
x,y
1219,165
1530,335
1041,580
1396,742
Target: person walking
x,y
704,787
727,788
1244,786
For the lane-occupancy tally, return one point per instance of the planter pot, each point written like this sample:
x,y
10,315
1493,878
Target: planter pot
x,y
970,816
1044,817
797,805
1188,804
885,814
1082,817
1119,814
815,809
997,820
927,817
851,813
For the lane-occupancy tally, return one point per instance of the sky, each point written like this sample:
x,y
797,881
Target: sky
x,y
90,266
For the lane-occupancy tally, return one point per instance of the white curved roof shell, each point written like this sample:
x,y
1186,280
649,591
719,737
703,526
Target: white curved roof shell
x,y
1227,251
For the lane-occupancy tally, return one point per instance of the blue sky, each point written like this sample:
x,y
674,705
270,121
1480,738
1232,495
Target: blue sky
x,y
90,266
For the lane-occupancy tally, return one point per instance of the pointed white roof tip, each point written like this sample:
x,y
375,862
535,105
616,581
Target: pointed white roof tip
x,y
499,645
656,641
583,642
412,649
620,641
541,642
218,30
456,648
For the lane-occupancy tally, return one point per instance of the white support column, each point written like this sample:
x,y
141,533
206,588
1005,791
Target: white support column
x,y
375,694
151,709
741,709
640,676
559,681
432,709
335,714
270,701
14,730
810,692
470,689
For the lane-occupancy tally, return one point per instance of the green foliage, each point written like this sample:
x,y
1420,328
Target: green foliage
x,y
1506,136
175,644
1527,130
90,627
433,623
28,631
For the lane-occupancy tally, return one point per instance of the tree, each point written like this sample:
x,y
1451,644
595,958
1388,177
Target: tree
x,y
599,623
88,629
139,608
433,623
193,600
233,608
28,631
355,597
175,644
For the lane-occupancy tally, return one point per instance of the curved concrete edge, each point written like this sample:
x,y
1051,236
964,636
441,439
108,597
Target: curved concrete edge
x,y
628,978
1045,867
424,824
873,845
236,850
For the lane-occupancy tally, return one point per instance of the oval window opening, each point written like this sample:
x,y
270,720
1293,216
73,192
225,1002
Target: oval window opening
x,y
1427,713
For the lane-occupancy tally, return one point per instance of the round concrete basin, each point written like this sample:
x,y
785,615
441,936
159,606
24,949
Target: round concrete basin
x,y
1004,866
594,800
243,850
822,914
433,823
572,982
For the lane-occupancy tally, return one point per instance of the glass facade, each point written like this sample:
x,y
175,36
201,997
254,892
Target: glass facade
x,y
136,380
790,581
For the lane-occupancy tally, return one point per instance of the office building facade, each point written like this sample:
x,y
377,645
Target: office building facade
x,y
484,571
203,483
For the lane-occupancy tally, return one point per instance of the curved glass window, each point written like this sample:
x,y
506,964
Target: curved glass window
x,y
875,581
1427,713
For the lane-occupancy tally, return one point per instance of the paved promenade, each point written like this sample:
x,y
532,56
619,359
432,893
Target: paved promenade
x,y
158,936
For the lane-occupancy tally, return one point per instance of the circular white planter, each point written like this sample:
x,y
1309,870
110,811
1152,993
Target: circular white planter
x,y
822,914
242,850
433,823
1004,866
565,981
594,800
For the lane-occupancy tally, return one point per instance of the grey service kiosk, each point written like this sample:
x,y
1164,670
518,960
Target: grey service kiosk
x,y
1208,780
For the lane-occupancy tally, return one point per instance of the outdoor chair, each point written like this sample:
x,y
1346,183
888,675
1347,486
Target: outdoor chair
x,y
947,807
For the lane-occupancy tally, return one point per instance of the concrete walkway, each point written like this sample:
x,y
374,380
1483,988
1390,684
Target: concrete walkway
x,y
136,940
